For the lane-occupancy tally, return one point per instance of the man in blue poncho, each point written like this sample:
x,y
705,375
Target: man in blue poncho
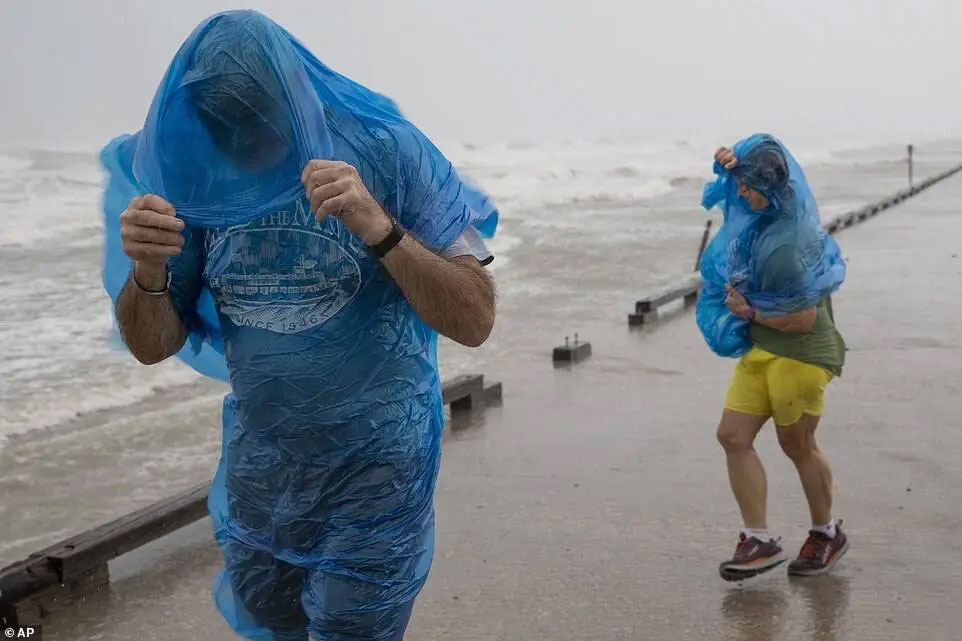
x,y
290,229
766,298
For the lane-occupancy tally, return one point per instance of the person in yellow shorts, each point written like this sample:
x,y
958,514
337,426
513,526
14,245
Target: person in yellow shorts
x,y
783,377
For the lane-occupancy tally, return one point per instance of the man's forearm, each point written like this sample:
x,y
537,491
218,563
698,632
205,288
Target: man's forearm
x,y
455,297
149,325
797,323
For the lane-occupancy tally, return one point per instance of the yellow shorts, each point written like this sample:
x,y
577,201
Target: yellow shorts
x,y
768,385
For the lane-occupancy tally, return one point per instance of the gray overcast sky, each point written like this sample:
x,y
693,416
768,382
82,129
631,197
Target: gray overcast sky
x,y
74,73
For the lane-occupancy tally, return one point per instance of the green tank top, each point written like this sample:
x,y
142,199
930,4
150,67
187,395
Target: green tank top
x,y
823,346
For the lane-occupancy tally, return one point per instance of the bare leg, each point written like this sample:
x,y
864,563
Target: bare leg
x,y
736,433
798,443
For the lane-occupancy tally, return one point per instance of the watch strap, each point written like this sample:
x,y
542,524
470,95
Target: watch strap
x,y
390,241
152,292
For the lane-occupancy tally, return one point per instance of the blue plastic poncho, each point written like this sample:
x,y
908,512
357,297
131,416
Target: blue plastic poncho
x,y
322,501
750,245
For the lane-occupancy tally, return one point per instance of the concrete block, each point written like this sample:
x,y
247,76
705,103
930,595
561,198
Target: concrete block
x,y
572,352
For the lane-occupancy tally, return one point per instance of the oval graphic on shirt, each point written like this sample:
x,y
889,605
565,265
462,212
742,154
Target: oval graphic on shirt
x,y
280,280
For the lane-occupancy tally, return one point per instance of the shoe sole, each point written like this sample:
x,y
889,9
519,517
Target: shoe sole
x,y
740,573
828,566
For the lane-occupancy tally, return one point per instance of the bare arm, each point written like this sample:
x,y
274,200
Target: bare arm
x,y
455,297
798,323
149,323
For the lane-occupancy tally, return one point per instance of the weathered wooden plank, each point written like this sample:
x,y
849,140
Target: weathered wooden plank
x,y
46,577
19,580
491,393
460,388
680,289
644,318
32,609
478,396
77,556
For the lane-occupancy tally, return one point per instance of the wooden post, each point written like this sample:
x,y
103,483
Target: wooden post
x,y
910,165
704,243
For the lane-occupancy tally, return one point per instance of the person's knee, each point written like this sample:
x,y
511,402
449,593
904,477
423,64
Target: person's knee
x,y
796,443
339,615
734,438
268,589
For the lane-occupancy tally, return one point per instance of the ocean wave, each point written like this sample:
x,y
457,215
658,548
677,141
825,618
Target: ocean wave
x,y
681,181
47,412
12,163
47,160
520,195
78,182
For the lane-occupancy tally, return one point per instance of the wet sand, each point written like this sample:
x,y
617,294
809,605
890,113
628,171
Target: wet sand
x,y
594,504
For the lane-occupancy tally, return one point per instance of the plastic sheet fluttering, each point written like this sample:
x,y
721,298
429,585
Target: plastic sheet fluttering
x,y
752,245
331,435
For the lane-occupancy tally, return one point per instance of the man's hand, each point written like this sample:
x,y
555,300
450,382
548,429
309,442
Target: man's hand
x,y
151,234
737,304
335,188
726,158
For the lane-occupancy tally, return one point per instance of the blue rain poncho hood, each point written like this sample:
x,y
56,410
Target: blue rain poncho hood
x,y
332,430
241,110
748,241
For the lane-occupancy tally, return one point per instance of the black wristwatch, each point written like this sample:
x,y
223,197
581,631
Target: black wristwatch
x,y
390,241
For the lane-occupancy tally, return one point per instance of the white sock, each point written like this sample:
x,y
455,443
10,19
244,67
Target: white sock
x,y
828,530
761,535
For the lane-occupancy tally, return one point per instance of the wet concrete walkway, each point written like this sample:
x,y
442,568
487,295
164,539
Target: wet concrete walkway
x,y
594,504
